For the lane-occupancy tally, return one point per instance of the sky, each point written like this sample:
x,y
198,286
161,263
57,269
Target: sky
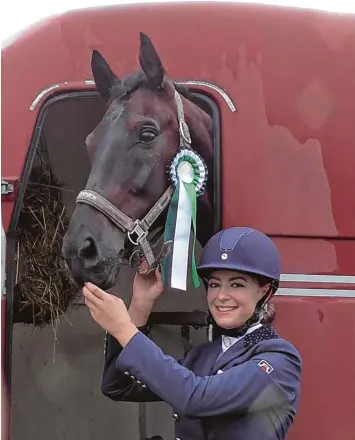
x,y
18,15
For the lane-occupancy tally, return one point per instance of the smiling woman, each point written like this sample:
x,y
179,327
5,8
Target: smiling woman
x,y
257,395
232,297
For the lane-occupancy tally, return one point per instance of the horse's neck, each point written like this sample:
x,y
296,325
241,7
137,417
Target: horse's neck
x,y
205,214
205,220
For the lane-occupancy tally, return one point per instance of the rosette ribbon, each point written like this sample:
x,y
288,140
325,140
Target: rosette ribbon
x,y
188,173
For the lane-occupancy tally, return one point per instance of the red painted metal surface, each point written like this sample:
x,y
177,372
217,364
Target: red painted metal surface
x,y
288,153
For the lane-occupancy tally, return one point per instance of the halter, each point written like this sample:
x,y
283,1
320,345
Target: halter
x,y
137,230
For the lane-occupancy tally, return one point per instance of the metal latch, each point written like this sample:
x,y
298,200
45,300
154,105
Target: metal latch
x,y
6,188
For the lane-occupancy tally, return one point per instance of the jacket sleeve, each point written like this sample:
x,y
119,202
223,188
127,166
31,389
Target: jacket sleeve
x,y
266,380
122,386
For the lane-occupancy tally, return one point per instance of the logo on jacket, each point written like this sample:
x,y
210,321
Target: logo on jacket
x,y
265,366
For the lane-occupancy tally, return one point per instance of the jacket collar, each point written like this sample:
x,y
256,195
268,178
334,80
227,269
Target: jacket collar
x,y
263,333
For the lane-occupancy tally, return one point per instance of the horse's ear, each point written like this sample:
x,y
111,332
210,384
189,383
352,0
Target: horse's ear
x,y
150,61
104,77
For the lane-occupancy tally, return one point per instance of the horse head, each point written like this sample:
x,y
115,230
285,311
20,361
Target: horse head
x,y
129,152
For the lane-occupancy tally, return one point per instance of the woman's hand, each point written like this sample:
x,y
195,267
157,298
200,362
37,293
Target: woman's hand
x,y
110,313
146,291
147,288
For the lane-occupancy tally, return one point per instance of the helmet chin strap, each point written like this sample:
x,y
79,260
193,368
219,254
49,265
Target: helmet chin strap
x,y
234,332
255,318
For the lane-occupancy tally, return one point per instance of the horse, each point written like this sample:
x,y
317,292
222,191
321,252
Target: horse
x,y
125,201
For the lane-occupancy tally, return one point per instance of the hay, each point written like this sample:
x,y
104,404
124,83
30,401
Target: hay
x,y
44,289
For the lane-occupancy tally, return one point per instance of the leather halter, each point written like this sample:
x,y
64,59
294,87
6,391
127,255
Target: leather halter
x,y
137,230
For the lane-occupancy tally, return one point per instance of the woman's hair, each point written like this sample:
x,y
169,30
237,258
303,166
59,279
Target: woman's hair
x,y
260,279
268,310
269,313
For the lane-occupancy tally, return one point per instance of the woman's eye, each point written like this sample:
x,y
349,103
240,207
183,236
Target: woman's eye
x,y
212,285
147,135
236,285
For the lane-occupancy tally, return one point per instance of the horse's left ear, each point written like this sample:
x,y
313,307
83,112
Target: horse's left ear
x,y
104,77
150,62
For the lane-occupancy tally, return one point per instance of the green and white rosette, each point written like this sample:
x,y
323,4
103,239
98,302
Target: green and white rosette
x,y
188,174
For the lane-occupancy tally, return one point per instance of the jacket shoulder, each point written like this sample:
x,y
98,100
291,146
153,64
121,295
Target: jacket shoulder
x,y
280,345
284,358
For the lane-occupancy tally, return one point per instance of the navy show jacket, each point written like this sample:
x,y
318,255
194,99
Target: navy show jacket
x,y
250,392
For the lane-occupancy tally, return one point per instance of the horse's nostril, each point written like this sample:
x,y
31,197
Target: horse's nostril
x,y
88,251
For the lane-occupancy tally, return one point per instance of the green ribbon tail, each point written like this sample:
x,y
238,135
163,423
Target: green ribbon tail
x,y
190,188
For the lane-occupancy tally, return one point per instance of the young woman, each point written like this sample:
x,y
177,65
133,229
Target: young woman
x,y
243,386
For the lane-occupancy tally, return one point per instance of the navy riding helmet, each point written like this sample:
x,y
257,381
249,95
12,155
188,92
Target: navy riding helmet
x,y
244,250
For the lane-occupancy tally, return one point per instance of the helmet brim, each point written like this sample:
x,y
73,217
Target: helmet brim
x,y
205,269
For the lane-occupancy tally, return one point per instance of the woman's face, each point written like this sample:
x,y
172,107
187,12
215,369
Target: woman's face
x,y
232,297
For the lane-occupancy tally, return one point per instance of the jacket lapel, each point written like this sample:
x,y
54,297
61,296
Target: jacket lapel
x,y
210,357
236,351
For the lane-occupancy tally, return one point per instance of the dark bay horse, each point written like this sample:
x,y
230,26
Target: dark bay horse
x,y
129,152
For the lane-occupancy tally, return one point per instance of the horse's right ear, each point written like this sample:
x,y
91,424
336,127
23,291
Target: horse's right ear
x,y
104,77
150,62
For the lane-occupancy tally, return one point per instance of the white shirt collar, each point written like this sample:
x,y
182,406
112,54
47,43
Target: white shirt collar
x,y
228,341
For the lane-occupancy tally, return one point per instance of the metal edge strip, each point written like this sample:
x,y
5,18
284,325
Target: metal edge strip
x,y
212,86
304,278
195,82
43,93
328,293
91,82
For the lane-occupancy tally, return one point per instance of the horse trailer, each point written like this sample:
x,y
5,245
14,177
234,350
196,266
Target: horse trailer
x,y
278,85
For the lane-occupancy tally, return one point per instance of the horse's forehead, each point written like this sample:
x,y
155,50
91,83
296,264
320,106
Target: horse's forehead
x,y
148,103
115,111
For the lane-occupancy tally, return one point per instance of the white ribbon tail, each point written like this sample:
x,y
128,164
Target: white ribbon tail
x,y
180,258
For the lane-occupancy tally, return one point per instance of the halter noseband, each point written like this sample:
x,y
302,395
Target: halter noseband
x,y
137,230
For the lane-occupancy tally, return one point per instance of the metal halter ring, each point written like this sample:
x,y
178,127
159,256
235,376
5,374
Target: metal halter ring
x,y
131,258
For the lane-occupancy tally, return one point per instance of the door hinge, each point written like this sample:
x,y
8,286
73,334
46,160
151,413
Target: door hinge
x,y
6,188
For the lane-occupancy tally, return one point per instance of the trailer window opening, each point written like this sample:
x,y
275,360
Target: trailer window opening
x,y
58,147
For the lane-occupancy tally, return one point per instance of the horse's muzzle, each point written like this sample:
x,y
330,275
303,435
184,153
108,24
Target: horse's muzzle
x,y
94,255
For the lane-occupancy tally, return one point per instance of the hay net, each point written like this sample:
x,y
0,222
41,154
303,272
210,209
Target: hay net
x,y
44,289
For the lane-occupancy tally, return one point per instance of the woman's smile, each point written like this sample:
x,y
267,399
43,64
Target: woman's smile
x,y
224,310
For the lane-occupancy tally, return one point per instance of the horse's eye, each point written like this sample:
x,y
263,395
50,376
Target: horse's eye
x,y
147,135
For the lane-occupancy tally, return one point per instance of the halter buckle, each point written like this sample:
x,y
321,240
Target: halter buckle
x,y
138,231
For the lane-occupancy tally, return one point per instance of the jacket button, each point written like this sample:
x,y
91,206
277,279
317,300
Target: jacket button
x,y
176,417
138,381
144,385
132,377
126,373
